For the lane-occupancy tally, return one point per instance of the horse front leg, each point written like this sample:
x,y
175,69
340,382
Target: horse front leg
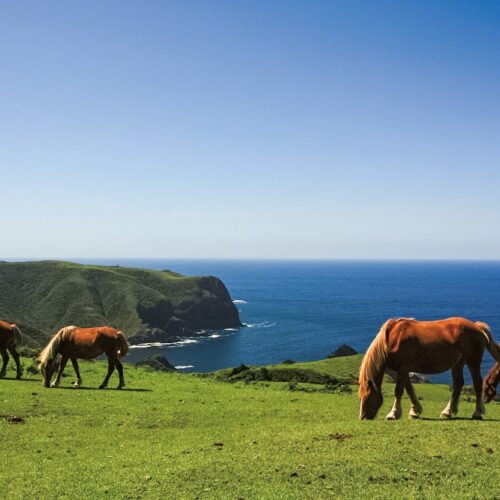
x,y
57,381
416,408
78,382
15,355
5,358
397,410
457,373
477,381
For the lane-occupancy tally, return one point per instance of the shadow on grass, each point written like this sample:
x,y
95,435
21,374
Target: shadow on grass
x,y
125,389
14,379
462,419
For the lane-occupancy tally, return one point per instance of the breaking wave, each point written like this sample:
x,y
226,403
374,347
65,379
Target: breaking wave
x,y
265,324
179,343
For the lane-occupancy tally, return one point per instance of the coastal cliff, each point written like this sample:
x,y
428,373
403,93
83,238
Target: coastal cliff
x,y
149,306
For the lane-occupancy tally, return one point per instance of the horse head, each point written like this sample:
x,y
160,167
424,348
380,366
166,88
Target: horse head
x,y
490,383
48,370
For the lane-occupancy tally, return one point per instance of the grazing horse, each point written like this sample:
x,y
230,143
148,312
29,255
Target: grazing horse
x,y
404,345
72,342
10,338
491,381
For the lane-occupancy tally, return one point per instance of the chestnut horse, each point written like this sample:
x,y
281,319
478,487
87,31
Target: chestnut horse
x,y
72,342
403,345
10,338
491,381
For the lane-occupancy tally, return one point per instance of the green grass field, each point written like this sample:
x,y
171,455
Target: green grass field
x,y
184,436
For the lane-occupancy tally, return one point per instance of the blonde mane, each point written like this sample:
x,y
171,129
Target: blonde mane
x,y
373,363
50,351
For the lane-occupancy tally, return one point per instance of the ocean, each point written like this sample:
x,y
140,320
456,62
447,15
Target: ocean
x,y
303,310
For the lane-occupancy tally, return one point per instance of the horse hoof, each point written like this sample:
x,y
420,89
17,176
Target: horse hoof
x,y
477,417
120,387
102,387
445,416
413,416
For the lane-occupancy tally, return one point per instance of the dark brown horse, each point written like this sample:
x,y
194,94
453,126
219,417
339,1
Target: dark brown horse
x,y
10,338
405,345
72,343
491,381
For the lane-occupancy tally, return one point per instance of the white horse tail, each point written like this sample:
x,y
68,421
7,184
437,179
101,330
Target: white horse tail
x,y
18,338
490,341
52,348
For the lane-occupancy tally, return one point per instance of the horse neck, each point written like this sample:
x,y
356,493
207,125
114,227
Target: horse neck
x,y
378,376
51,351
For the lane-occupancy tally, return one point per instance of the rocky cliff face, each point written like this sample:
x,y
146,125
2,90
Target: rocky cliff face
x,y
209,308
149,306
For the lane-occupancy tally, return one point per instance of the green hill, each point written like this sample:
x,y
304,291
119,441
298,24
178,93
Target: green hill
x,y
171,435
326,371
41,297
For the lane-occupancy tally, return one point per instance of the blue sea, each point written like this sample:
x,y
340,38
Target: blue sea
x,y
303,310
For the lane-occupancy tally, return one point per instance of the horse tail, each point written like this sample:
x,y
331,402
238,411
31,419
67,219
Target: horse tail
x,y
18,338
51,350
123,344
374,361
490,341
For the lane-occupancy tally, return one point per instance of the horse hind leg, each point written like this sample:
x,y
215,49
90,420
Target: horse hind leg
x,y
457,373
397,411
119,367
5,358
111,368
15,355
416,408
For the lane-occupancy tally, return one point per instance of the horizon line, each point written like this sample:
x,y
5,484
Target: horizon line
x,y
254,259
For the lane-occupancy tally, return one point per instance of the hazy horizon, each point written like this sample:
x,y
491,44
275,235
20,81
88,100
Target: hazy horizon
x,y
105,260
250,130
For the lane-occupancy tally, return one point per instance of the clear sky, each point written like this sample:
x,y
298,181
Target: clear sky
x,y
250,129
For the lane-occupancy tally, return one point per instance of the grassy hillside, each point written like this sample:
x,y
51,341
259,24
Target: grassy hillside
x,y
326,371
181,436
41,297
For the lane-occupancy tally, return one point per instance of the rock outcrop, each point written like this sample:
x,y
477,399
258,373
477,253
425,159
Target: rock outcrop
x,y
343,350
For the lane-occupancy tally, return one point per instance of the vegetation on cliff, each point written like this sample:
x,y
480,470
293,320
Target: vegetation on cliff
x,y
41,297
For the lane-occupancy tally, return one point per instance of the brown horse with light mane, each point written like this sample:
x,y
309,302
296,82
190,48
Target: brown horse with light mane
x,y
491,381
10,338
405,345
72,343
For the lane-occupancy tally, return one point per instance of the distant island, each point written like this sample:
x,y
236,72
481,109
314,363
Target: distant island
x,y
148,305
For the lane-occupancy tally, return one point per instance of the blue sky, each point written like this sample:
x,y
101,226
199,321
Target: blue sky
x,y
250,129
